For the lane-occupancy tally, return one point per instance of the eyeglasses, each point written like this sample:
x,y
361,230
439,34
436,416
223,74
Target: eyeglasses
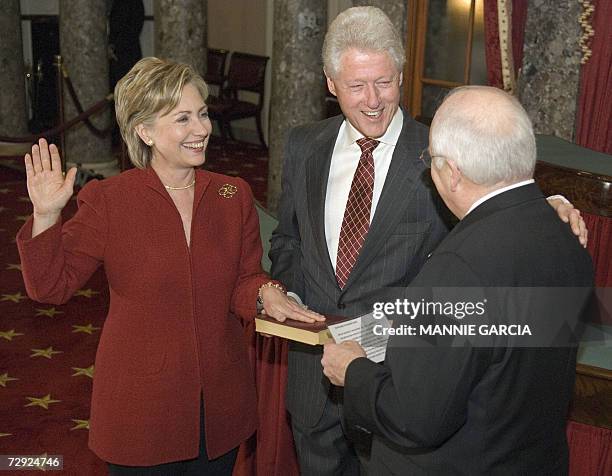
x,y
426,157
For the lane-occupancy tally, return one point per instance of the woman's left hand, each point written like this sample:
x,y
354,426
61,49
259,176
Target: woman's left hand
x,y
282,307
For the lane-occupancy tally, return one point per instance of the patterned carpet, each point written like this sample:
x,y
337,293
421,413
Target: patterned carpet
x,y
240,159
47,352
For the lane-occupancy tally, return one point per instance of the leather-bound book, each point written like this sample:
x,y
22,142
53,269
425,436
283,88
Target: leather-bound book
x,y
315,333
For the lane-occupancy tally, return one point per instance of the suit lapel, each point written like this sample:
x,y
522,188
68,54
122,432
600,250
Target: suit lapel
x,y
202,182
397,194
317,172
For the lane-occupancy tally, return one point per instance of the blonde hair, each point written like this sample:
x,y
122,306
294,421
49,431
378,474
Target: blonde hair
x,y
153,85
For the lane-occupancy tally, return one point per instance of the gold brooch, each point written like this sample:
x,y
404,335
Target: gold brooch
x,y
227,190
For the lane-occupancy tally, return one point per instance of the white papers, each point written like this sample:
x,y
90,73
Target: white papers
x,y
367,331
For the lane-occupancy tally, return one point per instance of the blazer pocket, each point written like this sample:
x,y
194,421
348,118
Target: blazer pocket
x,y
411,228
133,351
150,363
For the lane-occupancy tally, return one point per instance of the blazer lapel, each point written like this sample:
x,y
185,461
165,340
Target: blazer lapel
x,y
317,172
153,182
396,196
202,182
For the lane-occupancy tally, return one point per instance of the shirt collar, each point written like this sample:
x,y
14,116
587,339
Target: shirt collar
x,y
390,137
497,192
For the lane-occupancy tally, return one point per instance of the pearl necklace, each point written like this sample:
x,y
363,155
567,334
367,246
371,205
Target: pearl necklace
x,y
168,187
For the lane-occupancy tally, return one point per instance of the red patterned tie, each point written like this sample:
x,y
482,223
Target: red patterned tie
x,y
356,221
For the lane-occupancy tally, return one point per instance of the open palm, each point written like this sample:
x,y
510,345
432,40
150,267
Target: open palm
x,y
49,190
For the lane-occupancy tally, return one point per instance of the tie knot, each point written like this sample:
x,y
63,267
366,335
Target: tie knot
x,y
367,145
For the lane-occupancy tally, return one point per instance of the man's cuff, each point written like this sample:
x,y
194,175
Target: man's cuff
x,y
296,297
559,197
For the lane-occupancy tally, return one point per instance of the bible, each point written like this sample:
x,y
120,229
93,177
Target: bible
x,y
315,333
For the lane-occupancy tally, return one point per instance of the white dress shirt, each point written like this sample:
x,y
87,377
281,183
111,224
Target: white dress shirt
x,y
490,195
345,158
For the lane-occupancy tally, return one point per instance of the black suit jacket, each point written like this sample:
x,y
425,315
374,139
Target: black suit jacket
x,y
478,411
408,224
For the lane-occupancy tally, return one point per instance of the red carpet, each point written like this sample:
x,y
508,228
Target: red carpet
x,y
47,352
240,159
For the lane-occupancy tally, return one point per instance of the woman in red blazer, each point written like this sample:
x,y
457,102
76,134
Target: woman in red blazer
x,y
181,250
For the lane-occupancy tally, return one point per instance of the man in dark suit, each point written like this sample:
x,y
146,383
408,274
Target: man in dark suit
x,y
402,213
477,410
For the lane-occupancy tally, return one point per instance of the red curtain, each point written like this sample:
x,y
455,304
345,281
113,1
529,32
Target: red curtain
x,y
600,247
593,130
590,450
594,115
492,48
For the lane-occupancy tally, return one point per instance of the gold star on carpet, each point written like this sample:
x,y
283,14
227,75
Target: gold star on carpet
x,y
86,293
13,297
5,434
87,372
22,217
8,335
43,402
47,353
13,266
5,378
80,424
5,190
88,329
48,312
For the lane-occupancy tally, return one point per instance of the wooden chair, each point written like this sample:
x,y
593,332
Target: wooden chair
x,y
246,73
215,67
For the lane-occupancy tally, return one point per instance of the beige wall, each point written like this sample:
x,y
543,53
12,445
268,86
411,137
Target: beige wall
x,y
237,25
245,26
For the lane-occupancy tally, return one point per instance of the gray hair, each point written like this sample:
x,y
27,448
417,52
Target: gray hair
x,y
488,134
362,28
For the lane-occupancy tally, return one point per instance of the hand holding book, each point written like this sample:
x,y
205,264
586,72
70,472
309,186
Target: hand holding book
x,y
336,359
333,329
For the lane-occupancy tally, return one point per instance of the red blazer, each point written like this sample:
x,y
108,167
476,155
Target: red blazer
x,y
172,332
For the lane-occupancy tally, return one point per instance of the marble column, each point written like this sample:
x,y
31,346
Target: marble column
x,y
395,10
548,83
84,50
298,83
13,116
180,31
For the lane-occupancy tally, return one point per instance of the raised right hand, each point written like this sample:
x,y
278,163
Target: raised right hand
x,y
49,190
